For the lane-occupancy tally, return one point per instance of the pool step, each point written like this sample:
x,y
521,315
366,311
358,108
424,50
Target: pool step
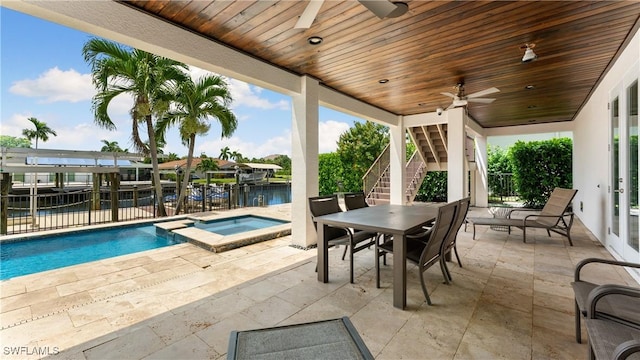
x,y
165,229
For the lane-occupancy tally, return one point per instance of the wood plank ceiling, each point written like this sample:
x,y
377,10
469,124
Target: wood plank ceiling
x,y
431,48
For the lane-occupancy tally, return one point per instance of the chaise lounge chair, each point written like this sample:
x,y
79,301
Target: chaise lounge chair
x,y
555,216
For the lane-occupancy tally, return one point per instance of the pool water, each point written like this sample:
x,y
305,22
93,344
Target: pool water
x,y
52,252
239,224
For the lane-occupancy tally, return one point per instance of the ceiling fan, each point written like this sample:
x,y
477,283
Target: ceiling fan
x,y
381,8
460,99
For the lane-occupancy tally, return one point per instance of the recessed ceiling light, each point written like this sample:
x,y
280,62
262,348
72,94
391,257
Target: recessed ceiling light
x,y
383,81
531,121
530,87
532,106
422,104
314,40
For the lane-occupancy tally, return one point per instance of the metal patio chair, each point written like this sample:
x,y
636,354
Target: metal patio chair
x,y
354,241
425,248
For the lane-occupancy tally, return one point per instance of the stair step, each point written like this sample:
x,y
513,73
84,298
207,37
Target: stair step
x,y
378,196
379,202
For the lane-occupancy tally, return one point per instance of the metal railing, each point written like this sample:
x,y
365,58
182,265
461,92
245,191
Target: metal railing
x,y
373,175
502,188
415,173
84,207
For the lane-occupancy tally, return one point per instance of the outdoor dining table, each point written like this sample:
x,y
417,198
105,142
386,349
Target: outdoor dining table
x,y
394,220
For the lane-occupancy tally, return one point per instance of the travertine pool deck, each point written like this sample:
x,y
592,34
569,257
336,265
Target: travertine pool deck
x,y
509,300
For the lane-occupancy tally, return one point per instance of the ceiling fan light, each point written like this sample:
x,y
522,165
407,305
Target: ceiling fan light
x,y
529,55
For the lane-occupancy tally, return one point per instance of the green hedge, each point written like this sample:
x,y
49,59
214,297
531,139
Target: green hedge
x,y
330,172
434,187
540,166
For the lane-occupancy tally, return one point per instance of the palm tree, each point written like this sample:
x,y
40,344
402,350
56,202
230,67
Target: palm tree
x,y
225,152
41,131
195,103
172,157
112,146
207,164
236,156
148,78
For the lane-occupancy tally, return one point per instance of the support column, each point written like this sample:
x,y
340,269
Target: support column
x,y
304,161
456,174
397,162
481,178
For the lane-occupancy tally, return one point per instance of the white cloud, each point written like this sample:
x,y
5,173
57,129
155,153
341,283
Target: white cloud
x,y
85,136
120,105
79,136
56,85
13,125
243,93
329,133
277,145
249,95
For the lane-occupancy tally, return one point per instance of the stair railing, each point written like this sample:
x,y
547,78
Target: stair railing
x,y
375,172
415,171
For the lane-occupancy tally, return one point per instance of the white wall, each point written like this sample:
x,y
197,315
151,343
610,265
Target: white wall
x,y
590,148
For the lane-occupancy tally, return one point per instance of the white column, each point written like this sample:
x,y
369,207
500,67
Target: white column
x,y
304,161
481,179
397,161
456,173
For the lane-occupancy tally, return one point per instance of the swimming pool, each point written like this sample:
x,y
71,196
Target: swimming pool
x,y
238,224
51,252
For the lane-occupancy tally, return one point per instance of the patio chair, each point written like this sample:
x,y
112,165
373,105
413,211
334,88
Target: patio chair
x,y
613,308
425,248
610,339
355,200
354,241
450,242
552,217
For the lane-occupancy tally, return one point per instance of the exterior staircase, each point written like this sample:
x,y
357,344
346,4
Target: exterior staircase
x,y
430,155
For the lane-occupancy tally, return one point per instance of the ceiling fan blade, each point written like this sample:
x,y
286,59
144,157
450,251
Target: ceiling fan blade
x,y
483,93
481,100
448,94
381,8
309,14
450,107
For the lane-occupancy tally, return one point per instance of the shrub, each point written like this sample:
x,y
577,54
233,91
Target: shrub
x,y
434,187
330,172
539,167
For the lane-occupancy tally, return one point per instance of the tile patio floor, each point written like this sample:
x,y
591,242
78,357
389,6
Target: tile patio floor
x,y
510,300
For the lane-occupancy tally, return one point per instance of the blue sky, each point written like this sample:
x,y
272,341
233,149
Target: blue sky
x,y
43,75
